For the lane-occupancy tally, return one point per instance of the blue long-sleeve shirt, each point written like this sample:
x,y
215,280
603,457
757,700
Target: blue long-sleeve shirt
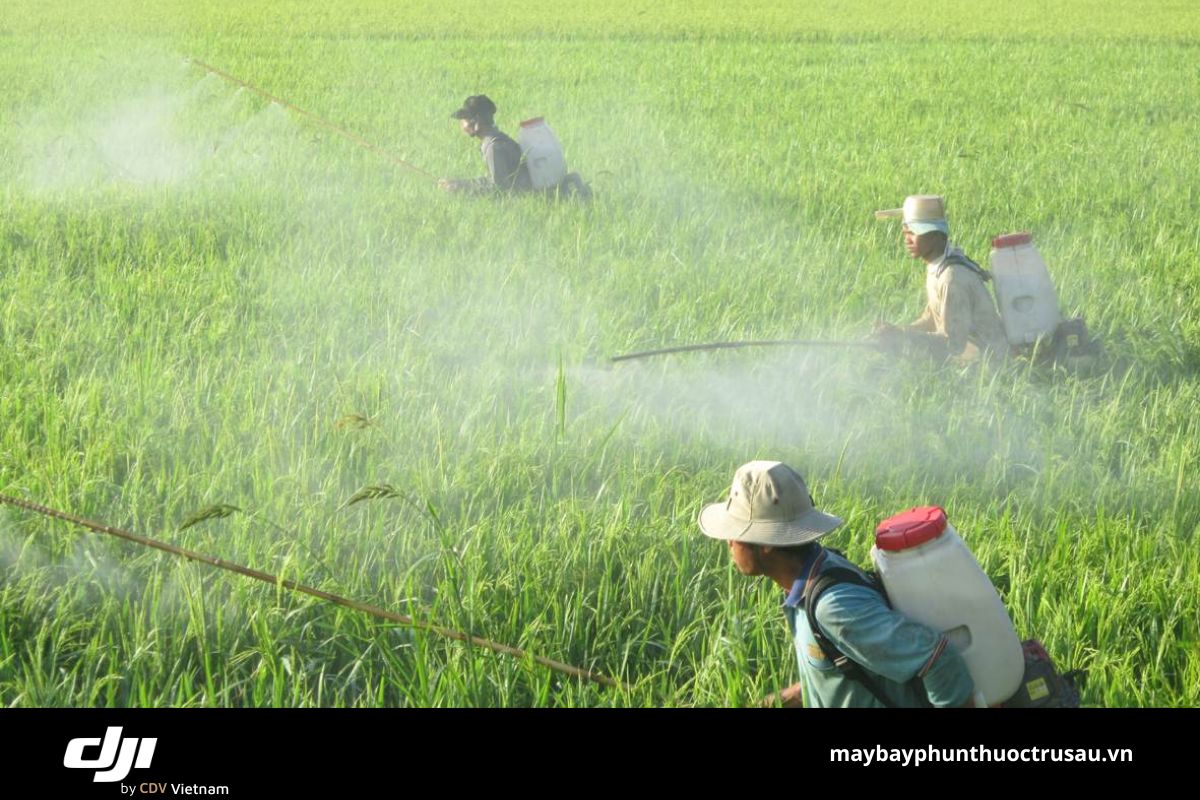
x,y
892,647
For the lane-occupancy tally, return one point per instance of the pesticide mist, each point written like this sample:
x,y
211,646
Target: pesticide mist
x,y
208,301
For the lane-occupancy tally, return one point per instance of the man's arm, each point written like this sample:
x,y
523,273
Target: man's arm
x,y
924,323
504,165
890,644
955,299
956,312
479,185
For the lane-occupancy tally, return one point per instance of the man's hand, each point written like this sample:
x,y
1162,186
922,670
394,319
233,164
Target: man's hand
x,y
888,338
791,697
932,346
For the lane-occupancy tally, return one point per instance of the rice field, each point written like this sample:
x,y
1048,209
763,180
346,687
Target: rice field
x,y
207,300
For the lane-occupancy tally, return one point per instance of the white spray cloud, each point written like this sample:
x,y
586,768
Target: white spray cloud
x,y
155,137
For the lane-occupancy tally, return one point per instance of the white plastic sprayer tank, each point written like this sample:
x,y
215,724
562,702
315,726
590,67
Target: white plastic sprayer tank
x,y
931,576
1024,291
543,154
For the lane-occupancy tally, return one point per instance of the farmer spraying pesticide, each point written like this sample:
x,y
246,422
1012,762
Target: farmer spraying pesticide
x,y
536,164
772,529
927,628
506,171
960,320
959,323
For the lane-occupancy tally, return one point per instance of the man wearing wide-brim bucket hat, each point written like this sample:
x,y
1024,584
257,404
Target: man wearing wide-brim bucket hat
x,y
960,319
772,528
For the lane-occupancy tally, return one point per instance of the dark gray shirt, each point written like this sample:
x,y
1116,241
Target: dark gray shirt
x,y
506,169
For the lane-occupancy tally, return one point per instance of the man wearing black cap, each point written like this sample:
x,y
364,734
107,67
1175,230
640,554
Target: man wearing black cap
x,y
506,171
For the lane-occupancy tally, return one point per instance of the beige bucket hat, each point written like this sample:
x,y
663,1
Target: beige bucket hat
x,y
922,213
768,504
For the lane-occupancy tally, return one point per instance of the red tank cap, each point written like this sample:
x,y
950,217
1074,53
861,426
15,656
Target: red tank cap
x,y
534,121
913,527
1012,239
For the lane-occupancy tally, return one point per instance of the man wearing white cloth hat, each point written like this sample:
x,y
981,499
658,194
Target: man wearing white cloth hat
x,y
960,319
863,653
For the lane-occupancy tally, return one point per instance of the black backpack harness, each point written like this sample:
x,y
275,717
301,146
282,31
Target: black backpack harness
x,y
813,589
964,261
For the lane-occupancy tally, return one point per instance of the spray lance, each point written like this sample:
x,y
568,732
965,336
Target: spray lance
x,y
376,611
321,122
689,348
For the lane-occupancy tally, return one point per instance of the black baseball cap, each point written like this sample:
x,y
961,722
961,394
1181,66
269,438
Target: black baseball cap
x,y
474,107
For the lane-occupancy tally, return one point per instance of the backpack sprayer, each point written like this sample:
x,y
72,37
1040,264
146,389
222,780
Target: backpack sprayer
x,y
1028,303
543,157
542,153
925,571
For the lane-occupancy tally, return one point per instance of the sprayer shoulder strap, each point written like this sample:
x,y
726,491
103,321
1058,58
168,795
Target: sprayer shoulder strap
x,y
844,663
964,261
851,669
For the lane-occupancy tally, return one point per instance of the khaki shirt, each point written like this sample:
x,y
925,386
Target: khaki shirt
x,y
960,319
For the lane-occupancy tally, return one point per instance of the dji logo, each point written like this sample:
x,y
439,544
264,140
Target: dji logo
x,y
116,755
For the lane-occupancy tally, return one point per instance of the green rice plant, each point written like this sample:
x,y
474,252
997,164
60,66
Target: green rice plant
x,y
196,283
